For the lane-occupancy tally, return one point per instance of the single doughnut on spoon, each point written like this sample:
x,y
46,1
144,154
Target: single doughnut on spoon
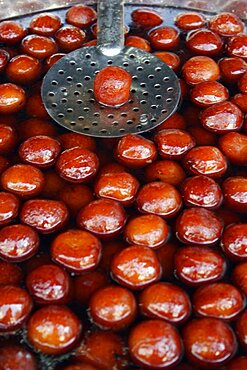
x,y
67,89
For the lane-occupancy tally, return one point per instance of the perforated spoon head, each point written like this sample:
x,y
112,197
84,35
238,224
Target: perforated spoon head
x,y
67,89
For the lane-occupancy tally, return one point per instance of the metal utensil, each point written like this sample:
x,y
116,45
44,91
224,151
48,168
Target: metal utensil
x,y
67,89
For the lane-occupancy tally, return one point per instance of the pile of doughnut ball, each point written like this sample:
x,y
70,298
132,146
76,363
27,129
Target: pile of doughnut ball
x,y
125,253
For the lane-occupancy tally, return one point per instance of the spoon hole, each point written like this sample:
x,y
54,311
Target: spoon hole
x,y
143,118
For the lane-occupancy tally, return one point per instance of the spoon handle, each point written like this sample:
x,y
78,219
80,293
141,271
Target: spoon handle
x,y
110,35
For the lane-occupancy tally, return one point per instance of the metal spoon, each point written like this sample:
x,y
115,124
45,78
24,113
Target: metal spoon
x,y
67,89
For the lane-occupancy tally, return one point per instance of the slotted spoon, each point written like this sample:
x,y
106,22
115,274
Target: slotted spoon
x,y
67,89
